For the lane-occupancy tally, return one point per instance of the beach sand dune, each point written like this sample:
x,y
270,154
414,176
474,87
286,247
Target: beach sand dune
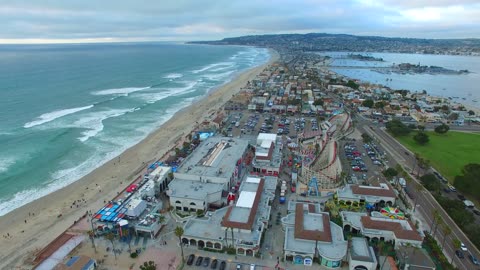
x,y
30,228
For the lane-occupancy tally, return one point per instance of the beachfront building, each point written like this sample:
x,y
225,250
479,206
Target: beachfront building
x,y
206,175
359,195
159,176
361,256
239,226
310,234
382,228
268,154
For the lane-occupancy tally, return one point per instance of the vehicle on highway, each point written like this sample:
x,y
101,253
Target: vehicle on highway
x,y
473,259
190,259
199,261
214,264
463,247
206,262
459,254
223,265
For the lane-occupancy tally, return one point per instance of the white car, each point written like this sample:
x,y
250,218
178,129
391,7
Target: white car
x,y
463,247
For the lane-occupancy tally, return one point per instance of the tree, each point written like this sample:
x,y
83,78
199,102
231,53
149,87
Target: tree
x,y
442,129
446,230
379,105
421,127
366,138
111,237
179,232
353,84
390,173
470,112
436,219
421,138
150,265
318,102
430,182
367,103
418,189
456,245
397,128
469,181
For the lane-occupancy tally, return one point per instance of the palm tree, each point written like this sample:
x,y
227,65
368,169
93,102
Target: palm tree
x,y
456,244
418,189
150,265
436,219
111,237
179,232
446,232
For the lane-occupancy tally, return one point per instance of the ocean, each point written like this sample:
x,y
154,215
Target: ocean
x,y
67,109
463,88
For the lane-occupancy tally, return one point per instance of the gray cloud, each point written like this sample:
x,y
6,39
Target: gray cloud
x,y
210,19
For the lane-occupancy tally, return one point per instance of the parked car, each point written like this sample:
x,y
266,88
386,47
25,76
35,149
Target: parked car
x,y
463,247
190,259
206,261
239,266
452,188
459,254
223,265
473,259
214,264
199,261
461,197
476,212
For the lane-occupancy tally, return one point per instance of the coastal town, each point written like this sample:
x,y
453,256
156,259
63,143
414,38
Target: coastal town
x,y
293,171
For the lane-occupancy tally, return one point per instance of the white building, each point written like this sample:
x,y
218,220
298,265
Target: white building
x,y
160,177
268,155
239,225
206,176
359,195
361,256
380,228
310,234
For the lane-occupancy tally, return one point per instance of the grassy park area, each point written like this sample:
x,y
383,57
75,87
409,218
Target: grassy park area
x,y
449,152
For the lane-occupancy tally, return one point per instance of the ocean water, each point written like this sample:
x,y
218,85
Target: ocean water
x,y
67,109
464,88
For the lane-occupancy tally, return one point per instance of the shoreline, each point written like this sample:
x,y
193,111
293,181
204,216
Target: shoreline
x,y
33,226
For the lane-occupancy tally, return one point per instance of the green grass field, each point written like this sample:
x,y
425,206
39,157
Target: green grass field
x,y
448,153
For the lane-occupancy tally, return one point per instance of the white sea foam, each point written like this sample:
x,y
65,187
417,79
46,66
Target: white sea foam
x,y
6,163
47,117
217,76
173,76
119,91
60,179
94,122
212,66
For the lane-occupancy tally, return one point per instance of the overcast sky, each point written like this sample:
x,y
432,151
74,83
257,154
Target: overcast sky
x,y
30,21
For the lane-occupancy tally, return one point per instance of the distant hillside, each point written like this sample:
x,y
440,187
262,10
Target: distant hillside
x,y
341,42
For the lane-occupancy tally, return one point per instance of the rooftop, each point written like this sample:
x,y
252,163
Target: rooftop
x,y
193,189
403,229
361,251
313,230
214,158
368,193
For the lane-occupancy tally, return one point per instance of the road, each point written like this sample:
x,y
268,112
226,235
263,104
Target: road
x,y
426,204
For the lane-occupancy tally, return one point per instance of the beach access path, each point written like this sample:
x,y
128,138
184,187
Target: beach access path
x,y
30,228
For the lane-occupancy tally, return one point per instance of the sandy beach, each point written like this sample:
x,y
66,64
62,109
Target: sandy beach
x,y
31,227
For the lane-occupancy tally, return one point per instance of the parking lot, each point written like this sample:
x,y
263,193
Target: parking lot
x,y
252,123
363,163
